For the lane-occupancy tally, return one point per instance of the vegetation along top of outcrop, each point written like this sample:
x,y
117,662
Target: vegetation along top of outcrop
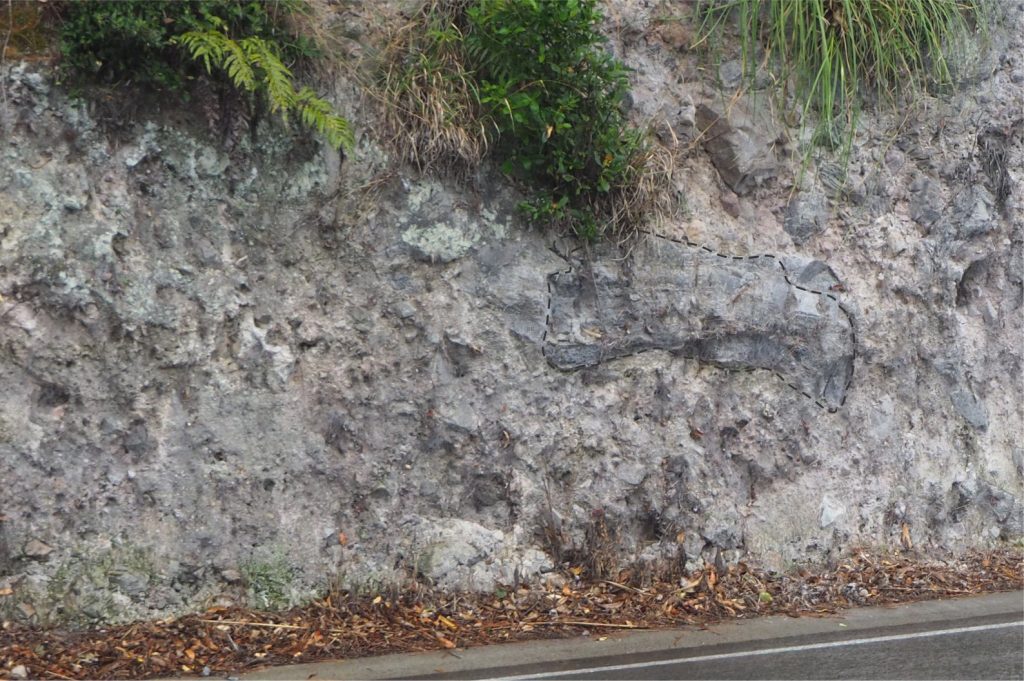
x,y
530,83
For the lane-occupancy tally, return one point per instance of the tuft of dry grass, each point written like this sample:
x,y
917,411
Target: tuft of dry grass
x,y
429,103
647,197
25,33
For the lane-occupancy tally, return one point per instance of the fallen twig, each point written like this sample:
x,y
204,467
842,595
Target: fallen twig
x,y
607,625
624,587
267,625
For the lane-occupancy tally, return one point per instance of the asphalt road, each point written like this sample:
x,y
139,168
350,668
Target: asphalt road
x,y
975,649
972,638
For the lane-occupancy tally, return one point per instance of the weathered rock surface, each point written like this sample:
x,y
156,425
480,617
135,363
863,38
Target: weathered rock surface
x,y
740,143
249,372
806,215
737,312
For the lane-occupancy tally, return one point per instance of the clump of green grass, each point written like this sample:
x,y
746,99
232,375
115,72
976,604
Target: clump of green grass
x,y
838,54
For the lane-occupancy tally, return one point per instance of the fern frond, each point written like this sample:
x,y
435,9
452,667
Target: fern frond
x,y
277,78
205,46
317,113
252,64
239,69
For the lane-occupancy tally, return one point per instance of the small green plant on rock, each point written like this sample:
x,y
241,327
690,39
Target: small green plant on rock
x,y
557,98
269,582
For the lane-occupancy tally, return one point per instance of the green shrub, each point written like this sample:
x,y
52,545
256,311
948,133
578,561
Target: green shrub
x,y
164,46
838,53
531,81
556,98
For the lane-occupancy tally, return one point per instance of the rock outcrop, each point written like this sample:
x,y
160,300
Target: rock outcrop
x,y
253,371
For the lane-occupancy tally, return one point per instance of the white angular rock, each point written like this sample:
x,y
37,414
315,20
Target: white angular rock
x,y
831,511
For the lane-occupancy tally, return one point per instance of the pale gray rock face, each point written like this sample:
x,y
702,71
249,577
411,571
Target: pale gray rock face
x,y
229,373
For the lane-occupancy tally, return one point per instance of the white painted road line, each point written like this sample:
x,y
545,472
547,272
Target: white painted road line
x,y
765,651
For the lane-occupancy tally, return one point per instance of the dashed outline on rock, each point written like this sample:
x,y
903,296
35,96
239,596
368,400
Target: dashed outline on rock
x,y
832,409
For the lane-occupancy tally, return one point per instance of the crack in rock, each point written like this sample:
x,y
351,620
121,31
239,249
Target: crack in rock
x,y
741,313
